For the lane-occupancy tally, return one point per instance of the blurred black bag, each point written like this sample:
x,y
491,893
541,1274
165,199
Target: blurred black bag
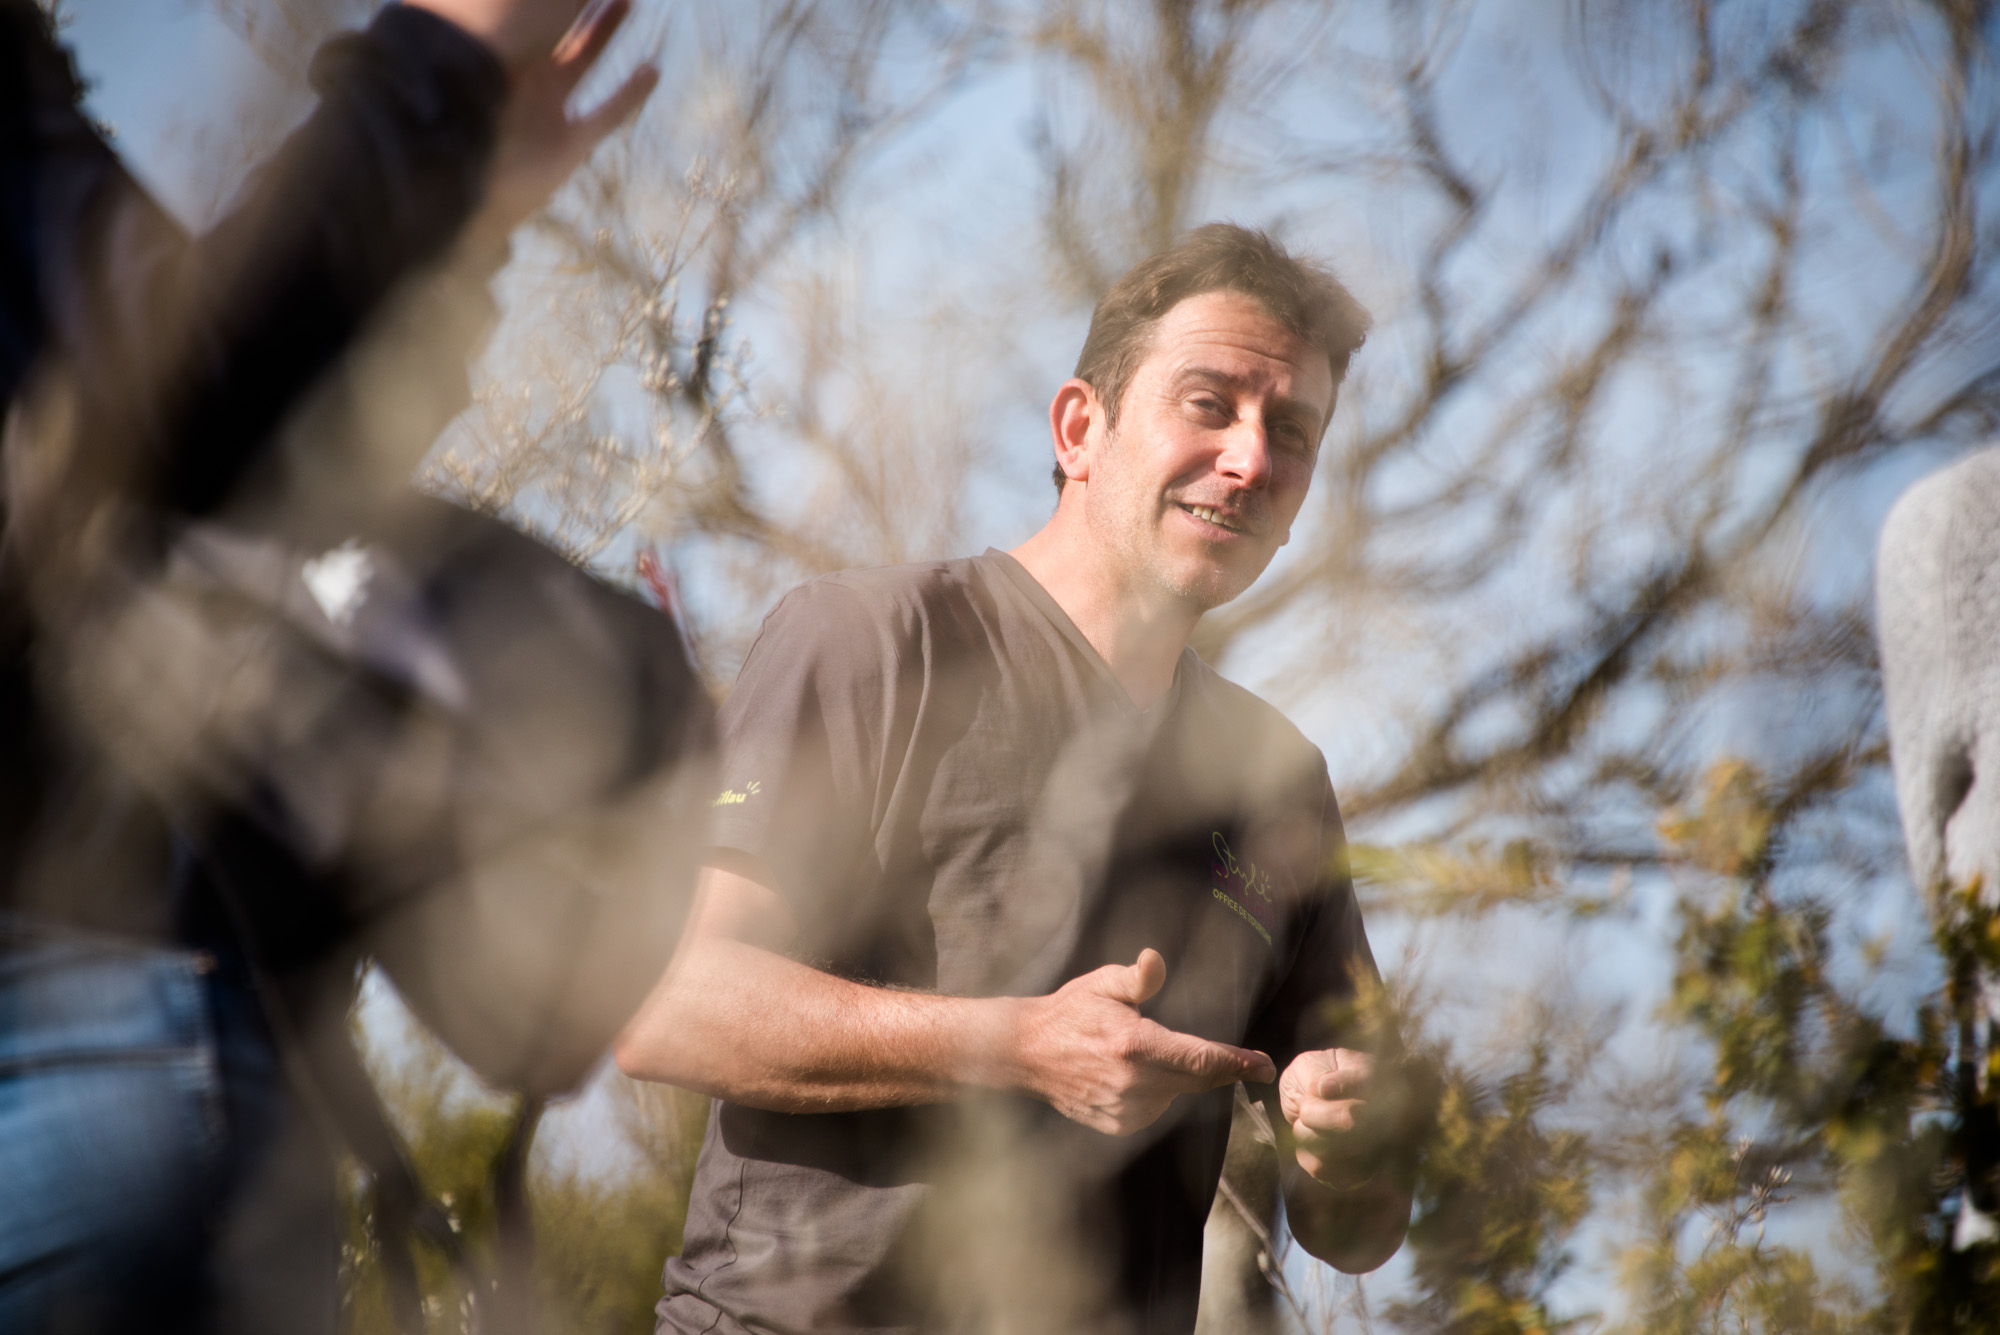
x,y
445,746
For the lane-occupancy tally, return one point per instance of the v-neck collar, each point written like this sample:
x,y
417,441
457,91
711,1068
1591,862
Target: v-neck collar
x,y
1045,602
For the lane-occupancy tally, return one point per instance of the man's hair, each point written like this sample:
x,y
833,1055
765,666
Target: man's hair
x,y
1300,294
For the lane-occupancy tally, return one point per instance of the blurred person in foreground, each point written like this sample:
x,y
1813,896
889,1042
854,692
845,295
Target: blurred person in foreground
x,y
144,374
1009,888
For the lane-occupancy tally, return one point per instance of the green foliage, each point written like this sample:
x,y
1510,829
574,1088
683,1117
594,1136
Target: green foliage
x,y
453,1145
1436,878
1806,1088
1746,979
599,1245
600,1239
1795,1102
1729,833
1498,1192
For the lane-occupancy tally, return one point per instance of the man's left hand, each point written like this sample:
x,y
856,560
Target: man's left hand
x,y
1323,1095
1345,1115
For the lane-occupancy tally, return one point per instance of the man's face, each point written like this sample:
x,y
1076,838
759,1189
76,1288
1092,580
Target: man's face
x,y
1197,486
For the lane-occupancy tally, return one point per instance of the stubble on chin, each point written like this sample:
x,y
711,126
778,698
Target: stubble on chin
x,y
1200,582
1203,590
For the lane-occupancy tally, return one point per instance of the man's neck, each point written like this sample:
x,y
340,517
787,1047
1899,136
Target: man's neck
x,y
1138,630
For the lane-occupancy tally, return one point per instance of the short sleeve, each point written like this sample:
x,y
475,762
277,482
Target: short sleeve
x,y
1309,1007
801,747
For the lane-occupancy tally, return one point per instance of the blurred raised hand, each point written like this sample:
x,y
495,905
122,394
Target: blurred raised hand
x,y
548,48
519,31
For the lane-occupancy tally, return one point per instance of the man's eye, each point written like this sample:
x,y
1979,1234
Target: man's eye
x,y
1210,406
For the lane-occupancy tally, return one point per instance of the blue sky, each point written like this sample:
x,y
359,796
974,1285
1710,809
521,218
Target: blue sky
x,y
164,75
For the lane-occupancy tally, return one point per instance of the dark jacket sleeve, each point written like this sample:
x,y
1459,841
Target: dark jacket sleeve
x,y
186,353
142,371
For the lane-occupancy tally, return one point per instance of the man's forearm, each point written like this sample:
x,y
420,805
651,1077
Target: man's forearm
x,y
738,1022
1353,1231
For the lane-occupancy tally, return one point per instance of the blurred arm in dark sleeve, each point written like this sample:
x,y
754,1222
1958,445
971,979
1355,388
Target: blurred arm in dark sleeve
x,y
141,367
144,371
176,357
182,354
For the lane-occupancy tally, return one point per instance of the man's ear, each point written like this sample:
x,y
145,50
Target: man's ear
x,y
1073,413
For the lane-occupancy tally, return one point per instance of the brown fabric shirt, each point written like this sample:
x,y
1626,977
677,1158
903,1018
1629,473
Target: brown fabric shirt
x,y
954,794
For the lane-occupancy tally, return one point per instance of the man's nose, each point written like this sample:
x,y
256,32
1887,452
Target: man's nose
x,y
1246,453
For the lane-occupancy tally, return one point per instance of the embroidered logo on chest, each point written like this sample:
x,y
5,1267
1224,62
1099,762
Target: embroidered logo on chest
x,y
1242,888
730,797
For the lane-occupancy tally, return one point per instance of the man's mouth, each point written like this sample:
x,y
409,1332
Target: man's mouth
x,y
1208,514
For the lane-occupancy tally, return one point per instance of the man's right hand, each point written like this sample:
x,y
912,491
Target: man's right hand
x,y
1087,1052
736,1019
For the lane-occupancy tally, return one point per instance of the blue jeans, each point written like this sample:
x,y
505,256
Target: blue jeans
x,y
142,1115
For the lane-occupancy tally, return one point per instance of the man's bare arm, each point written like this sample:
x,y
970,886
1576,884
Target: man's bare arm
x,y
735,1019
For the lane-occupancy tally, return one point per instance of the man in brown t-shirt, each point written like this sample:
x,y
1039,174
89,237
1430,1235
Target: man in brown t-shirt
x,y
1009,887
